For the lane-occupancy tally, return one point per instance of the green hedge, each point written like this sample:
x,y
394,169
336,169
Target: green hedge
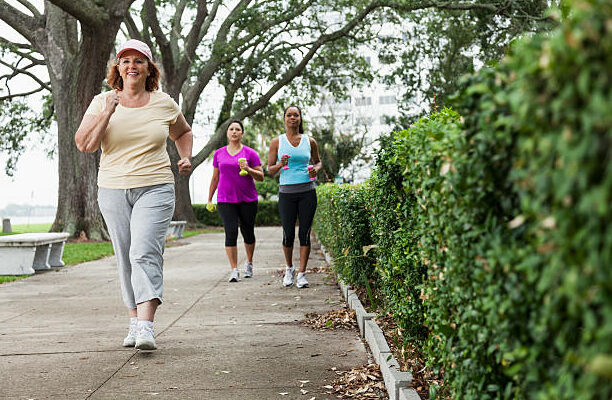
x,y
342,223
491,226
267,214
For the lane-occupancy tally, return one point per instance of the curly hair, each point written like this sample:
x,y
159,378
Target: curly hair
x,y
115,80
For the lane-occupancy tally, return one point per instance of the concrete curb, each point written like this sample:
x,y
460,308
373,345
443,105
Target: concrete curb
x,y
397,382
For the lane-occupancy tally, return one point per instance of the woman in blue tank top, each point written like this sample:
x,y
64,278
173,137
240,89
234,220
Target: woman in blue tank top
x,y
296,157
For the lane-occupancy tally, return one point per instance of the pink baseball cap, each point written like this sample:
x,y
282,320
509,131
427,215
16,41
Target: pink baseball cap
x,y
137,45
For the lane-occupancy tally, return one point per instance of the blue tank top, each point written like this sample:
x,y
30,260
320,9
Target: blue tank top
x,y
299,158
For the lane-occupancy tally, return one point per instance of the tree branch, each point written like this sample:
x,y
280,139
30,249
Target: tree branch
x,y
14,96
30,8
24,24
178,14
87,12
193,37
209,19
284,80
24,71
132,28
450,5
192,94
150,16
14,48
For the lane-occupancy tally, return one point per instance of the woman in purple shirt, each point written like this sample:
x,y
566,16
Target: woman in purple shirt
x,y
237,197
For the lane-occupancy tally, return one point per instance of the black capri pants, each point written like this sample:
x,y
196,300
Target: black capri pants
x,y
238,214
297,206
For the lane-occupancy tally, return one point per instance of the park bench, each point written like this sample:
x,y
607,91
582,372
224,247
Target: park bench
x,y
176,228
25,253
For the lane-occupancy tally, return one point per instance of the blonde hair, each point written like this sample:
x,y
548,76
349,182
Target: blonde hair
x,y
115,80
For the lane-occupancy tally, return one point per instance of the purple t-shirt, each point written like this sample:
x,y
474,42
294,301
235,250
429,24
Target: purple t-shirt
x,y
232,187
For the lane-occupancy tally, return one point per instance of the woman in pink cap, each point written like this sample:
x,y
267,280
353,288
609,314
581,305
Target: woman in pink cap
x,y
130,124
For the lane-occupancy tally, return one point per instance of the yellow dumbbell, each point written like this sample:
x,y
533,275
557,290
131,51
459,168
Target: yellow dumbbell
x,y
243,172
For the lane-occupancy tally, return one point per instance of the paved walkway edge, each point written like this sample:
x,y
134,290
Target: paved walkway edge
x,y
397,383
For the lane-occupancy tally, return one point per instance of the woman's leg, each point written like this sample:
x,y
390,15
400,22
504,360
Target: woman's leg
x,y
117,213
307,207
151,215
288,210
232,256
229,215
247,214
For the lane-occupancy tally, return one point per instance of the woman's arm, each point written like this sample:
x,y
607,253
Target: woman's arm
x,y
273,165
93,127
256,173
180,132
314,155
214,182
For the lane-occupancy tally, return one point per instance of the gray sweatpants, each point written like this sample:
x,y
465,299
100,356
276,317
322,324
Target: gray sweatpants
x,y
137,220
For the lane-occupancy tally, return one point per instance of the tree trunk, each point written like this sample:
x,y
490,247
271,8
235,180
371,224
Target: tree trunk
x,y
183,210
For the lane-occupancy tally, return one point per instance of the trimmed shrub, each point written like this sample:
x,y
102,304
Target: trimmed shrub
x,y
492,231
403,192
561,97
342,224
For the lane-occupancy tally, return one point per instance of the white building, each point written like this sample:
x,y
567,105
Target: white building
x,y
364,112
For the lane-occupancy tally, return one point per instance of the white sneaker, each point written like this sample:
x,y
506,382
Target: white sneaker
x,y
301,281
248,270
145,340
235,276
289,274
130,339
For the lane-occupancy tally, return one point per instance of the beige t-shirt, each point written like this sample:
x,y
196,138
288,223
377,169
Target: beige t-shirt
x,y
134,147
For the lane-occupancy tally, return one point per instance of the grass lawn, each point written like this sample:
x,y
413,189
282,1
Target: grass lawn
x,y
28,228
11,278
76,253
79,252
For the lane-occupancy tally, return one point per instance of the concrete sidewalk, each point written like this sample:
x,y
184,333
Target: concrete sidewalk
x,y
61,331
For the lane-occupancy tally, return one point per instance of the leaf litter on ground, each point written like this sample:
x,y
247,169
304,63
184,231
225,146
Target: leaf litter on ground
x,y
410,358
360,383
342,318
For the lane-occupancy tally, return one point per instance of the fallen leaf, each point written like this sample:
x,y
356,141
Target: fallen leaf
x,y
516,222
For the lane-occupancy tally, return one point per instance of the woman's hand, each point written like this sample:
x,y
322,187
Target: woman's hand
x,y
184,166
244,164
312,171
284,160
93,126
112,100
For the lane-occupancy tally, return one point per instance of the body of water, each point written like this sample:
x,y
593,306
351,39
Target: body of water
x,y
31,220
